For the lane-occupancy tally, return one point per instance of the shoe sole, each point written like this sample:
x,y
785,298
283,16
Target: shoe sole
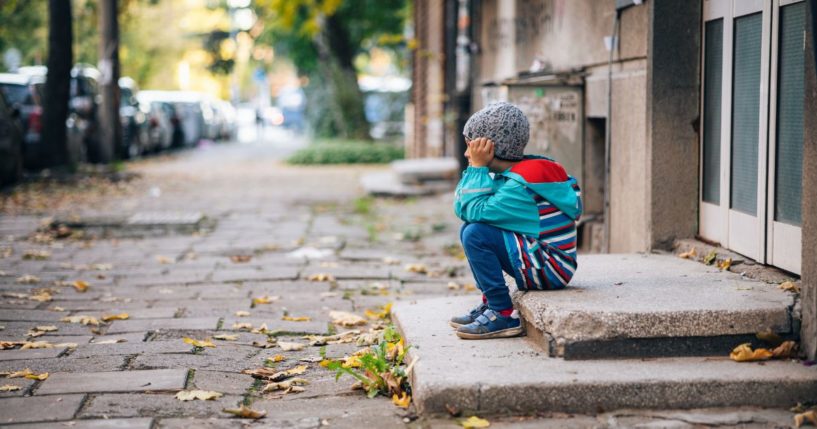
x,y
505,333
455,325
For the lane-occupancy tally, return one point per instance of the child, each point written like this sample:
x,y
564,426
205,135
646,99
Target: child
x,y
521,221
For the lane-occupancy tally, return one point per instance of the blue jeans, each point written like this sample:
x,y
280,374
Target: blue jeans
x,y
487,256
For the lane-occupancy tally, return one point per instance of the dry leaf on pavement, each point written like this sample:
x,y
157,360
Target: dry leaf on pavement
x,y
39,255
264,299
242,313
417,268
321,277
691,253
291,347
475,422
787,349
164,260
744,353
198,343
273,375
725,264
202,395
296,319
9,388
28,279
810,416
80,285
277,358
240,259
789,286
26,373
402,401
225,337
120,316
710,257
81,319
245,412
43,296
288,386
242,326
379,314
346,319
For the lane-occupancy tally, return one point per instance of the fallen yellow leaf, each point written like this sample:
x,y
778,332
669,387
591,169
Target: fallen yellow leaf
x,y
9,388
789,286
787,349
80,285
40,377
264,299
744,353
710,257
469,287
81,319
288,386
43,296
242,313
198,343
36,345
321,277
120,316
225,337
261,329
346,319
27,373
691,253
475,422
810,416
402,401
245,412
202,395
297,319
379,314
277,358
725,264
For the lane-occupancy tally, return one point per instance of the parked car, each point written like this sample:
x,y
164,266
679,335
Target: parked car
x,y
225,118
134,123
188,111
24,94
11,143
83,110
160,127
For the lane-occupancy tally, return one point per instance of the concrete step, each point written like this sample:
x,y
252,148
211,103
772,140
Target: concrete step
x,y
625,306
388,184
514,376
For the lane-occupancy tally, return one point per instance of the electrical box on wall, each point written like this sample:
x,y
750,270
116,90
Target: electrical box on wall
x,y
624,4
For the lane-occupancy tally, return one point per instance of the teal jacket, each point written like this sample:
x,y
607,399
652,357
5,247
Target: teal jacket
x,y
504,202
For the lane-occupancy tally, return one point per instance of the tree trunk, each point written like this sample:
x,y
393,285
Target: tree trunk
x,y
336,64
110,130
58,84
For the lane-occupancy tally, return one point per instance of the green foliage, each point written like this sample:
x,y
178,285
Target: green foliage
x,y
379,369
346,152
24,25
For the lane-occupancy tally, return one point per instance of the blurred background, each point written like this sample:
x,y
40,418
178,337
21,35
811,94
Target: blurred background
x,y
133,78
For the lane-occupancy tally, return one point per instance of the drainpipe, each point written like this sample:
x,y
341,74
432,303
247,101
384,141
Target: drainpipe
x,y
608,128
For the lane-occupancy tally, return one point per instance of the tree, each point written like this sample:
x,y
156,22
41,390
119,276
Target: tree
x,y
110,127
323,38
58,83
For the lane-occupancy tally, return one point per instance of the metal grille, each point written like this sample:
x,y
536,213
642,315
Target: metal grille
x,y
746,113
713,86
789,154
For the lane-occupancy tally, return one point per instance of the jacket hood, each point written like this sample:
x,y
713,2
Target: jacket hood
x,y
560,194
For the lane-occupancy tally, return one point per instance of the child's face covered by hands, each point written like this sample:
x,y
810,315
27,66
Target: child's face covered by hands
x,y
480,152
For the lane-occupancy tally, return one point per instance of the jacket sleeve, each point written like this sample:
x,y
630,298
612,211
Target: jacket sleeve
x,y
478,199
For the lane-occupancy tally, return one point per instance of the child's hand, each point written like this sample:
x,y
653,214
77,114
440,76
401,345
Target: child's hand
x,y
480,152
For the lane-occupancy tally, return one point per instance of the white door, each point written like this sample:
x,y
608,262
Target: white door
x,y
750,189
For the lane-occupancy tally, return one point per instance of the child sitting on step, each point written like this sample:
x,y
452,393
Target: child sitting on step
x,y
521,219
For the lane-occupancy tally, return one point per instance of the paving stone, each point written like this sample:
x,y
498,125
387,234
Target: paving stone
x,y
210,359
133,348
103,423
39,408
234,275
277,325
154,405
219,291
211,423
67,364
133,337
18,304
229,383
343,272
115,381
20,329
285,288
59,339
23,383
122,326
127,304
30,354
137,313
175,278
349,411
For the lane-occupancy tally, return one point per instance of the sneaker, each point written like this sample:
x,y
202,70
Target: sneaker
x,y
491,324
469,318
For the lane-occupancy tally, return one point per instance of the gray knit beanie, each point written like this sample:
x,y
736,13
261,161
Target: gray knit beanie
x,y
505,125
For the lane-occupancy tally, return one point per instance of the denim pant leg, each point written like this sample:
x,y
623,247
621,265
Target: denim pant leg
x,y
485,249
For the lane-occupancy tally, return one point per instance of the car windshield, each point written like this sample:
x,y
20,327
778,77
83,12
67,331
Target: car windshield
x,y
15,94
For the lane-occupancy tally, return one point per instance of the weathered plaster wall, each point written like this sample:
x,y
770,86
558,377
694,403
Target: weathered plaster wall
x,y
808,298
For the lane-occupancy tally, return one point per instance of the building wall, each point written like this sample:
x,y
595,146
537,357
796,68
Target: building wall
x,y
808,299
563,36
428,92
